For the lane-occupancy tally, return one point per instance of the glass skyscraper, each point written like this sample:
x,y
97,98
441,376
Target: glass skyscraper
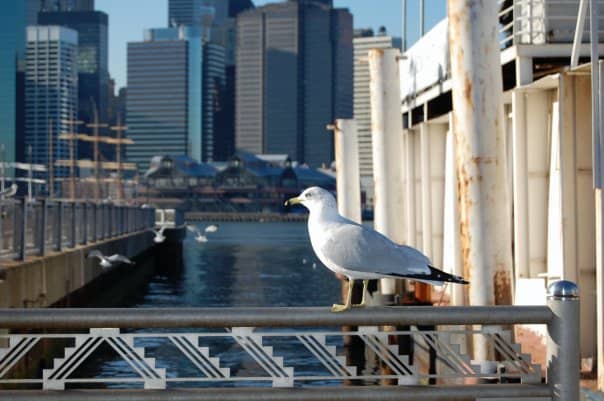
x,y
50,90
164,103
12,53
294,76
93,68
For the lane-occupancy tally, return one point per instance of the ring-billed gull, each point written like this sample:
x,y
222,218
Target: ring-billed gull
x,y
108,261
199,236
359,252
159,235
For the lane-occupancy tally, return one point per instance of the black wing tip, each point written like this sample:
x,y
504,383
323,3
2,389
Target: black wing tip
x,y
446,277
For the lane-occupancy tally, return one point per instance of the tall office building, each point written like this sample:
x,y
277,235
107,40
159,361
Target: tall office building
x,y
214,92
164,103
51,82
363,42
12,52
66,5
184,12
93,65
294,76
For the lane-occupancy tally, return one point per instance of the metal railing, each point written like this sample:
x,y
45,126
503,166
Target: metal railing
x,y
302,353
539,21
30,228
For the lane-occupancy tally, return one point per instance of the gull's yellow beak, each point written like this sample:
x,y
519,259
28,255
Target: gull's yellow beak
x,y
293,201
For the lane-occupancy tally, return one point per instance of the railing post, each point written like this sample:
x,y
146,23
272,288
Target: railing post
x,y
563,351
73,224
59,238
23,236
94,220
42,227
85,223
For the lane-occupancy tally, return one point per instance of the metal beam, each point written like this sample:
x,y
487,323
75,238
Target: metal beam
x,y
352,393
83,318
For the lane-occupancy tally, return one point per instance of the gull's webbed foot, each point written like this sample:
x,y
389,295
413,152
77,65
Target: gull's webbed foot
x,y
340,308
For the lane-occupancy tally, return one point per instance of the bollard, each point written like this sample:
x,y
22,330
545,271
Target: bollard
x,y
563,353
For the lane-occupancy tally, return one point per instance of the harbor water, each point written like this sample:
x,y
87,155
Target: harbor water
x,y
242,264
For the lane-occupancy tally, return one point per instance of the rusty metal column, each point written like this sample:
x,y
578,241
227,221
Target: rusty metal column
x,y
387,136
480,153
347,168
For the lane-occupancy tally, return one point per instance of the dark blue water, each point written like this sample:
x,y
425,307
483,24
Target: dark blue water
x,y
242,264
246,264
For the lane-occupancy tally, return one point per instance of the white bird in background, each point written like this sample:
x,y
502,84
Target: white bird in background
x,y
9,192
109,261
359,252
199,235
159,235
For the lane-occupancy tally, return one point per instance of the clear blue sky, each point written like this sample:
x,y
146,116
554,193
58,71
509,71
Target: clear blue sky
x,y
128,19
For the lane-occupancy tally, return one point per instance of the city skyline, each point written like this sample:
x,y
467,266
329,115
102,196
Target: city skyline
x,y
127,23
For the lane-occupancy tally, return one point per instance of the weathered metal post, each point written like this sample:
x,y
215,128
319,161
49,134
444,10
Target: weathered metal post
x,y
387,137
347,168
563,353
85,218
59,228
42,227
23,233
480,153
73,224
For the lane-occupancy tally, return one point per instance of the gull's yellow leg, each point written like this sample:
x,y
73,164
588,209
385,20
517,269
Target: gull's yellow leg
x,y
364,299
346,306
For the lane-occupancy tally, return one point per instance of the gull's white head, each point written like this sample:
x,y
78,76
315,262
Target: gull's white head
x,y
315,199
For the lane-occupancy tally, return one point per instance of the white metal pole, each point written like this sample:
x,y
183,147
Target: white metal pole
x,y
599,204
410,187
574,58
386,134
480,152
347,169
451,242
426,188
520,182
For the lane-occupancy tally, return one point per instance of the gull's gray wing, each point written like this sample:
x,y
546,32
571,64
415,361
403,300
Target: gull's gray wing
x,y
193,229
119,258
95,253
359,248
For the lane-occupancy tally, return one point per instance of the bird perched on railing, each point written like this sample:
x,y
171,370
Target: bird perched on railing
x,y
159,235
199,235
359,252
108,261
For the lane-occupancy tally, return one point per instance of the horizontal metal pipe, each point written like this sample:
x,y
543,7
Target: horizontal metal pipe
x,y
82,318
353,393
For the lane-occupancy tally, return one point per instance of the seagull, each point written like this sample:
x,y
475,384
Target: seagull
x,y
9,192
359,252
109,261
159,235
199,236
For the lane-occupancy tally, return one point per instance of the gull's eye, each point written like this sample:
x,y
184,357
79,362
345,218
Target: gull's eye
x,y
308,195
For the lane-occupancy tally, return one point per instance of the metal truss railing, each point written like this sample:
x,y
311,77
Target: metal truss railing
x,y
33,228
295,348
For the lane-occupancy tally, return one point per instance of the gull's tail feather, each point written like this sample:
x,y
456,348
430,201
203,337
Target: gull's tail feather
x,y
436,277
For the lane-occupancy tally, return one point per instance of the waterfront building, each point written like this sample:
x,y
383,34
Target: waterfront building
x,y
364,41
294,76
164,102
51,88
13,19
93,66
546,114
245,183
